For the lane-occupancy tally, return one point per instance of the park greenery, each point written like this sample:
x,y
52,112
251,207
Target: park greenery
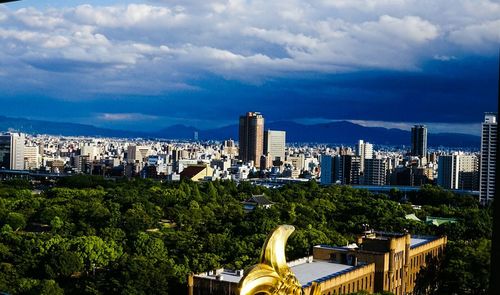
x,y
88,235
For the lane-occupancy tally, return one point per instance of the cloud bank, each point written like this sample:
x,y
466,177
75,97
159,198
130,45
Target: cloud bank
x,y
163,47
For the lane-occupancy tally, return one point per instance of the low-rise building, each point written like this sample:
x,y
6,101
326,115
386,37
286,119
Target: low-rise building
x,y
378,262
257,201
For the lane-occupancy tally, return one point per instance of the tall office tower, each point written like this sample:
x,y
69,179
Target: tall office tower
x,y
251,137
365,151
419,141
274,144
375,172
448,168
12,151
347,169
488,158
327,169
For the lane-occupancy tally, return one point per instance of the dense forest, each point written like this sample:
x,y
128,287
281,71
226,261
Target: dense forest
x,y
87,235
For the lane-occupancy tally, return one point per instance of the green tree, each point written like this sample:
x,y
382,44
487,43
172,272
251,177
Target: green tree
x,y
16,220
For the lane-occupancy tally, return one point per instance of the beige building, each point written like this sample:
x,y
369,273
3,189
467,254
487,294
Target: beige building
x,y
274,144
364,150
397,257
251,138
230,148
458,171
330,275
32,158
137,154
378,262
298,162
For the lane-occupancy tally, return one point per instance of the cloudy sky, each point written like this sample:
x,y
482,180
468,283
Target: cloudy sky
x,y
149,64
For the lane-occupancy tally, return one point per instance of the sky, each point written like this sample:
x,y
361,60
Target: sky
x,y
145,65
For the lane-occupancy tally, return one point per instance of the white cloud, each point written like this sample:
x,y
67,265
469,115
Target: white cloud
x,y
125,117
133,15
156,47
477,35
444,57
411,29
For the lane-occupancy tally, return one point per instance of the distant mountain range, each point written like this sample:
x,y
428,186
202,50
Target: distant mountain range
x,y
341,132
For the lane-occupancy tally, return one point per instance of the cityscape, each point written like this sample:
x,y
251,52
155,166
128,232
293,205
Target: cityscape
x,y
261,156
248,147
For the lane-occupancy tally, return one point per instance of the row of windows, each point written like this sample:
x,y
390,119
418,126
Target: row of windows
x,y
362,284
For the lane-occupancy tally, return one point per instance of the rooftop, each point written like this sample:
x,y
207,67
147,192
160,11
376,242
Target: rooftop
x,y
306,270
420,240
318,269
259,200
192,171
415,240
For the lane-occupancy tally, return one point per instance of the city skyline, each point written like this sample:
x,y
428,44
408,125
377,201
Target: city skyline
x,y
91,62
150,146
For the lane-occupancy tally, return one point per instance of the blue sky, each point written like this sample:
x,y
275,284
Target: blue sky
x,y
149,64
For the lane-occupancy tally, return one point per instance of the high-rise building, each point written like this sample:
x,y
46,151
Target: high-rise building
x,y
274,144
448,168
346,169
32,158
251,137
12,151
375,172
326,169
419,141
489,142
365,151
5,151
468,173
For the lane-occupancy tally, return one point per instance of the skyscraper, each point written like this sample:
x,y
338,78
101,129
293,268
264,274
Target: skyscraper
x,y
12,151
346,169
251,137
327,169
365,151
274,144
448,168
419,140
375,172
488,158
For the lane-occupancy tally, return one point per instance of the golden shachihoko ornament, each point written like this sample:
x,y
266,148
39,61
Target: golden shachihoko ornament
x,y
272,276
